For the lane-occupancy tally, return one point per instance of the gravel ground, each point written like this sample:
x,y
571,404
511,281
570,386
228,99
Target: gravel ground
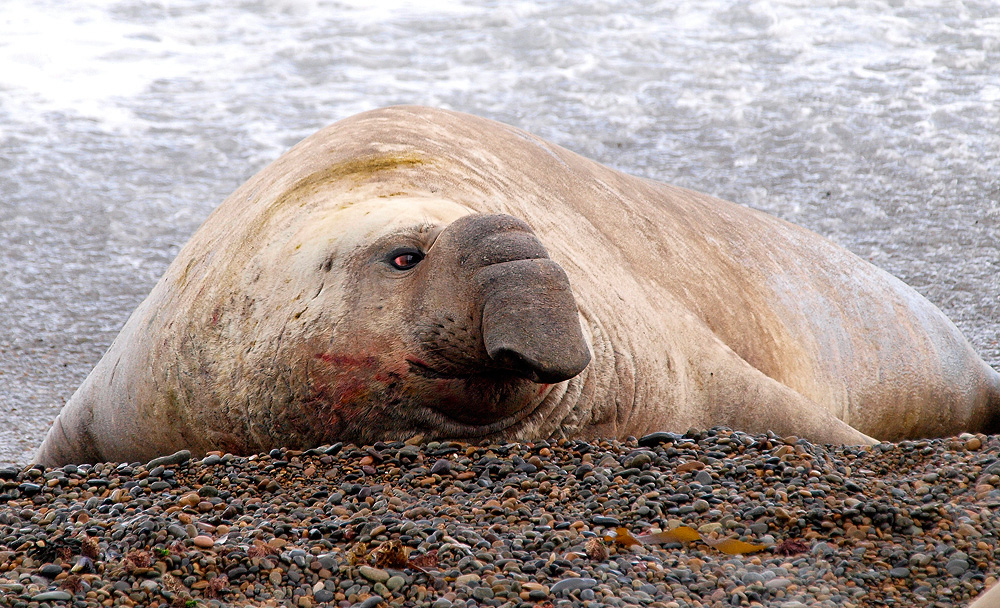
x,y
549,524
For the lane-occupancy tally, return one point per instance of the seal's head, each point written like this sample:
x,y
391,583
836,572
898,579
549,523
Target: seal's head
x,y
446,323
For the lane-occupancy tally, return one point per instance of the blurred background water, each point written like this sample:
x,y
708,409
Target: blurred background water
x,y
123,123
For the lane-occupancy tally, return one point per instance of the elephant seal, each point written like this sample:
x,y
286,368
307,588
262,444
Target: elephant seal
x,y
412,270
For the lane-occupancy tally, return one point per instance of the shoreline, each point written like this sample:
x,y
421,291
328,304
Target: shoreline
x,y
449,524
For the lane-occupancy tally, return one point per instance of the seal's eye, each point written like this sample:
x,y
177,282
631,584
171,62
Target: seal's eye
x,y
405,258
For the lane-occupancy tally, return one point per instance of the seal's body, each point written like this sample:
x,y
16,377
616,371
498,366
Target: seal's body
x,y
412,270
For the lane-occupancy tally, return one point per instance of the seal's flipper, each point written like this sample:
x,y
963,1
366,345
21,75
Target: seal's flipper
x,y
742,397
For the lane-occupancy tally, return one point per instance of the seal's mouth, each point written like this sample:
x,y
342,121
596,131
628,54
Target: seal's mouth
x,y
497,388
421,368
504,428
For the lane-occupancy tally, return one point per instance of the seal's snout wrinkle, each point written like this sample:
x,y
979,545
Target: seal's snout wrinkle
x,y
530,322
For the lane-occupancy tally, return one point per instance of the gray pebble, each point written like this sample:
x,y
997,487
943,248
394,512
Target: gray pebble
x,y
777,583
920,559
751,578
371,602
178,457
324,596
441,467
395,583
605,520
956,567
638,459
213,459
52,596
376,575
149,586
569,584
704,477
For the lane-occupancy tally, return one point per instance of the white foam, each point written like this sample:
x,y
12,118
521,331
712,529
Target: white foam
x,y
55,60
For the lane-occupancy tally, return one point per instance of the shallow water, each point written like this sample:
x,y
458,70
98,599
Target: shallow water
x,y
123,124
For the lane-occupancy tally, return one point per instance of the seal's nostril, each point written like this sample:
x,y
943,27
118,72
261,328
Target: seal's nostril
x,y
540,372
530,323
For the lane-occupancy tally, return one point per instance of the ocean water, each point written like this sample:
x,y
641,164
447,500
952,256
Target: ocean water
x,y
122,124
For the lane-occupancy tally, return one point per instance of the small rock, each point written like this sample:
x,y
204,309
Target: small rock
x,y
655,439
371,602
203,541
395,583
149,586
569,584
638,459
777,583
709,528
178,457
210,460
52,596
441,467
29,489
376,575
324,596
605,520
691,465
704,477
467,579
956,567
920,559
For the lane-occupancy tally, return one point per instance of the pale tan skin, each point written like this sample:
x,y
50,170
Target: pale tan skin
x,y
698,312
989,599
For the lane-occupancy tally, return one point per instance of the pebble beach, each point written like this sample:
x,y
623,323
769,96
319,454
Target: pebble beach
x,y
645,522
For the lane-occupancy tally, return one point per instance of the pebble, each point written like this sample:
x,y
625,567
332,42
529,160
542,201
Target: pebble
x,y
569,584
605,520
777,583
467,579
52,596
371,602
957,567
178,457
511,525
376,575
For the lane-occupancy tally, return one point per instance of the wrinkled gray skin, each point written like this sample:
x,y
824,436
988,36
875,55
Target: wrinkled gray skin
x,y
284,321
